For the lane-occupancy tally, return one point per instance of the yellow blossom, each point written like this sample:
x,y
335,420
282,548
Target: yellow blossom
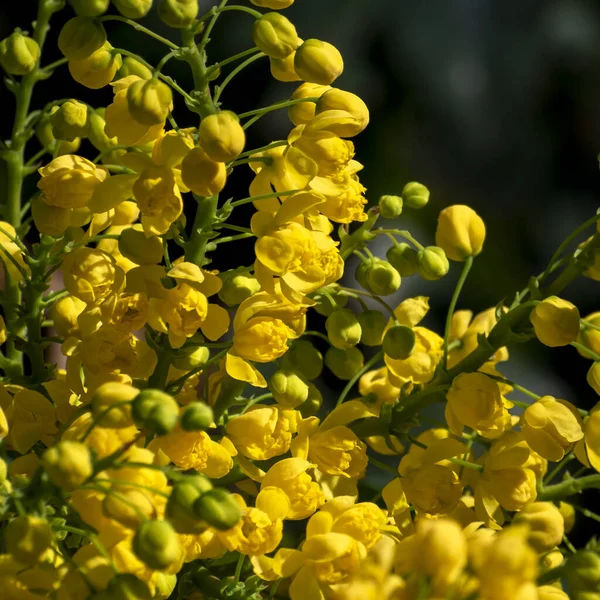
x,y
555,321
460,232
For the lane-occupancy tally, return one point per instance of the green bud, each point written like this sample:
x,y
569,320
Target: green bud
x,y
190,358
433,263
27,538
43,132
404,259
149,101
237,287
324,306
19,54
69,120
180,506
415,195
141,249
390,207
304,358
80,37
399,342
218,508
89,8
275,35
343,329
155,410
313,402
344,364
133,9
380,278
156,544
372,323
108,409
131,66
126,586
178,13
583,572
196,416
288,388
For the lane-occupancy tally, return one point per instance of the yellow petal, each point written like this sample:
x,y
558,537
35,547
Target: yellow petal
x,y
242,370
111,192
216,323
274,502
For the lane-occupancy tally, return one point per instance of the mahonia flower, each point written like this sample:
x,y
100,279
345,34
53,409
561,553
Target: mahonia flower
x,y
10,253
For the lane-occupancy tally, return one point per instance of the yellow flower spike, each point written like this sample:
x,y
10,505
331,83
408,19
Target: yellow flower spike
x,y
460,232
303,112
205,177
64,313
68,464
546,526
275,35
555,321
97,70
363,522
474,400
19,54
318,62
221,136
290,475
141,249
338,451
69,181
552,427
80,37
262,339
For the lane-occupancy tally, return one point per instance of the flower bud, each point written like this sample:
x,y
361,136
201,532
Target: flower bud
x,y
131,66
196,416
324,297
139,248
180,506
218,508
178,13
593,377
404,259
273,4
96,133
68,464
313,402
89,8
133,9
49,220
155,410
373,324
568,513
203,176
43,132
80,37
399,342
546,525
343,329
460,232
303,357
288,388
275,35
237,286
390,207
149,101
19,54
130,507
303,112
583,572
221,136
318,62
190,358
27,538
282,69
380,278
433,263
335,99
69,120
555,321
156,544
111,404
344,364
97,70
415,195
126,586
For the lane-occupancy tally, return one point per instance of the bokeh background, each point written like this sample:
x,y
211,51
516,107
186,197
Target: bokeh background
x,y
490,103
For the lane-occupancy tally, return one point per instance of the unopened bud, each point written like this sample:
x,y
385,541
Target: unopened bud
x,y
583,572
69,120
390,207
379,277
218,508
303,357
373,324
96,133
221,136
288,388
89,8
555,321
329,299
399,342
80,37
593,377
131,66
155,410
190,358
140,248
128,506
133,9
68,464
282,69
336,99
111,404
433,263
27,538
344,364
3,471
313,402
303,112
126,586
273,4
180,506
156,544
275,35
203,176
546,525
343,329
404,259
237,287
196,416
178,13
19,54
149,101
568,512
415,195
460,232
318,62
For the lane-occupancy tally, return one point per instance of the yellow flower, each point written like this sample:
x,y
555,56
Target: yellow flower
x,y
460,232
555,321
68,464
275,35
587,450
204,176
545,523
19,54
474,400
69,181
338,451
552,427
221,136
318,62
10,248
149,101
98,69
263,431
336,99
589,336
303,112
290,475
377,382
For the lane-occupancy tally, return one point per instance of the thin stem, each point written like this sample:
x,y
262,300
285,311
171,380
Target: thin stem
x,y
240,562
233,58
53,65
383,466
459,285
236,71
142,29
263,197
233,238
250,11
175,386
317,334
206,35
164,60
585,349
254,401
276,106
402,233
561,465
368,365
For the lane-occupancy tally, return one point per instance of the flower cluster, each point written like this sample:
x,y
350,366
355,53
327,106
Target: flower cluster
x,y
164,428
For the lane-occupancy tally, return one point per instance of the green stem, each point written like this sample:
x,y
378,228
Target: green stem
x,y
233,238
158,379
175,386
585,349
256,14
231,59
368,365
241,559
236,71
195,247
277,106
402,233
570,487
263,197
459,285
142,29
383,466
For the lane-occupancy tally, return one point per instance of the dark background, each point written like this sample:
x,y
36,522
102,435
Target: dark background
x,y
490,103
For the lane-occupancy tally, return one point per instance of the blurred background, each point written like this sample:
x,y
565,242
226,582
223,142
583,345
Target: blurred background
x,y
489,103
